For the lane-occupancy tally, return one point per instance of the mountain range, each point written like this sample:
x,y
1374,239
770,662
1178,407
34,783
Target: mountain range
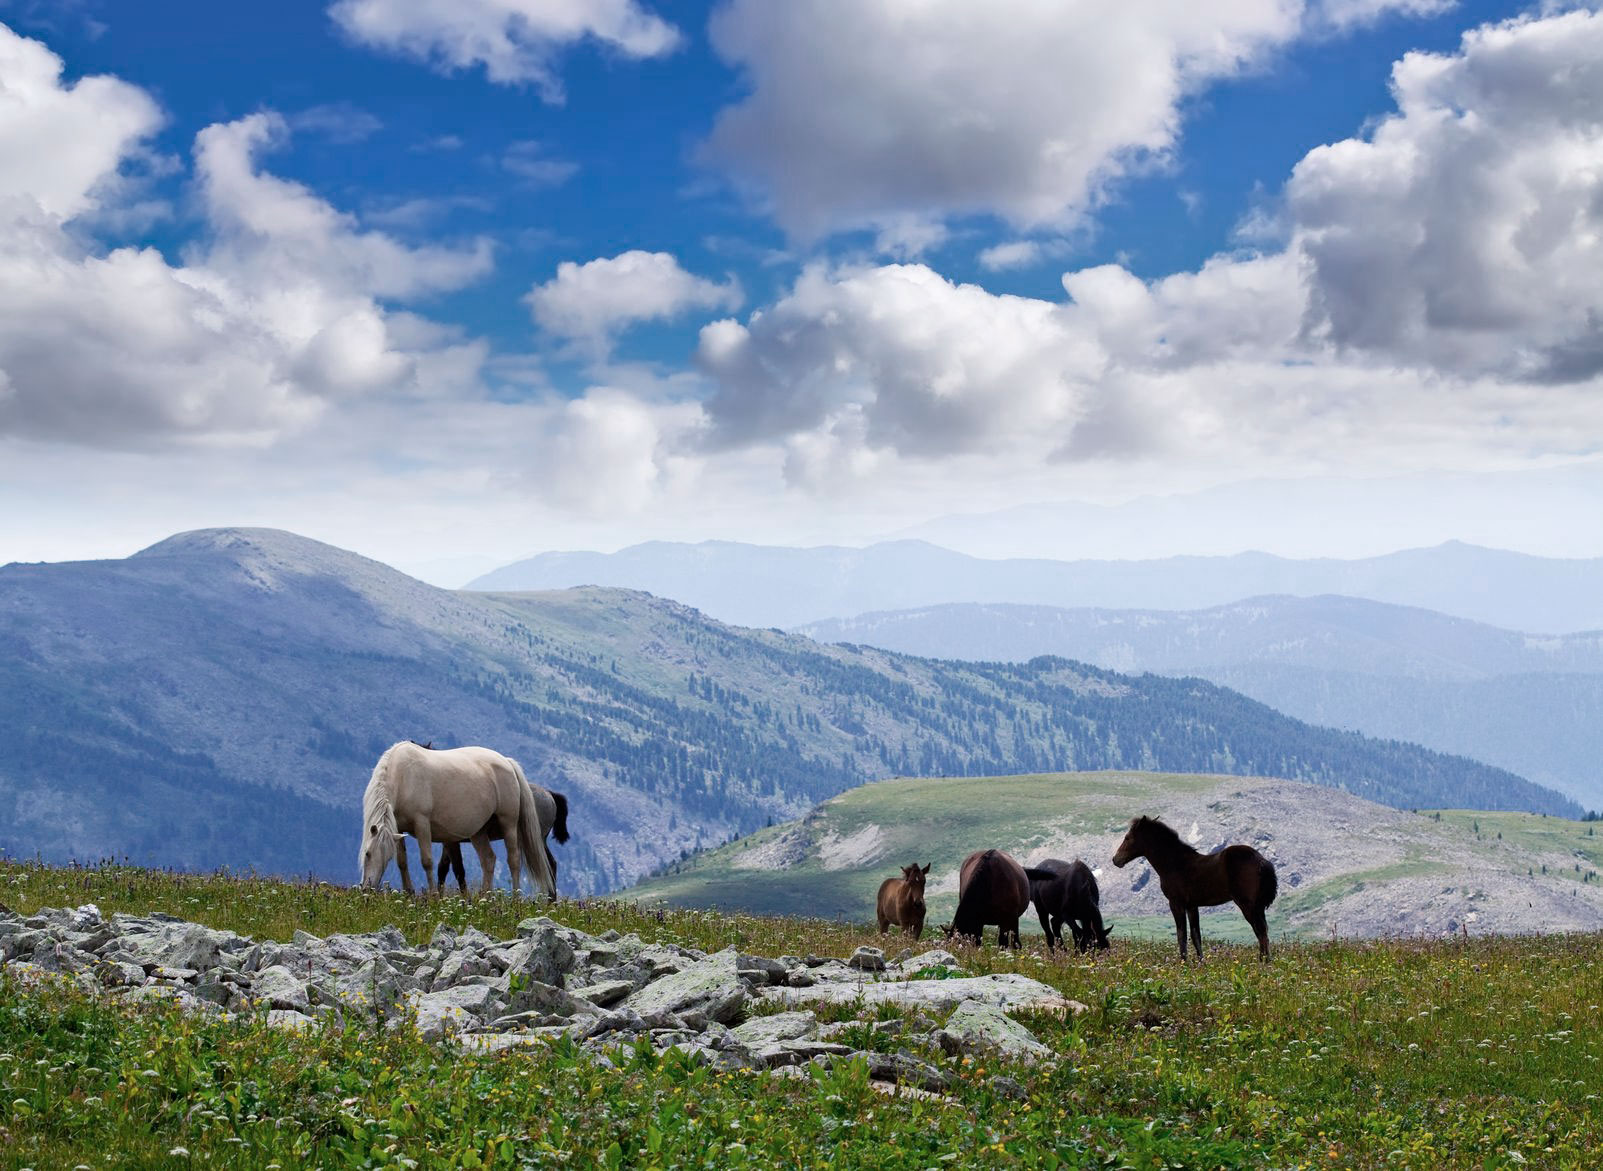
x,y
1529,703
219,699
760,585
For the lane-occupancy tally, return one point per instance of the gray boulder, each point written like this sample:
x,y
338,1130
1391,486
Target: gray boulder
x,y
278,987
771,1030
711,987
974,1026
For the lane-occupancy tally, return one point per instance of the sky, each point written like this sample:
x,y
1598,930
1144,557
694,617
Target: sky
x,y
453,282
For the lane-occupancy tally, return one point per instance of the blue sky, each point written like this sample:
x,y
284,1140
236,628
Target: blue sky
x,y
451,283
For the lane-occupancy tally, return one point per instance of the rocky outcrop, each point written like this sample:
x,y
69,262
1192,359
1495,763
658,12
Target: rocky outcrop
x,y
608,993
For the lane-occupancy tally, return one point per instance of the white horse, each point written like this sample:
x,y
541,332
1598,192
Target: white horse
x,y
450,795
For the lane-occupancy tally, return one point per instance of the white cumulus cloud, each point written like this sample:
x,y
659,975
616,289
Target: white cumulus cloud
x,y
610,451
275,311
868,113
516,41
1438,302
590,303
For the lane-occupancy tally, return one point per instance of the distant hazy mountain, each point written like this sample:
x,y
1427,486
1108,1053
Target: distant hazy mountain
x,y
760,585
1529,703
220,698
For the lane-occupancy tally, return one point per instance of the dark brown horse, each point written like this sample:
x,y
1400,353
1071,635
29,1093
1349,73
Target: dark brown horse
x,y
901,901
1190,879
991,888
1066,892
552,808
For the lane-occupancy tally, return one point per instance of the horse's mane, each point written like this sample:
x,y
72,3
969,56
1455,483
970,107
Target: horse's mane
x,y
376,807
1167,838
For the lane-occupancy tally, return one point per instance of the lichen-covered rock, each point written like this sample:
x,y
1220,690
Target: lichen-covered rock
x,y
543,953
458,1009
457,967
711,987
278,987
985,1027
759,970
1004,989
606,993
867,959
770,1030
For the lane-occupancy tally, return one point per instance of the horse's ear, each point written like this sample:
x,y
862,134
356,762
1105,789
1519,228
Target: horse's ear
x,y
927,866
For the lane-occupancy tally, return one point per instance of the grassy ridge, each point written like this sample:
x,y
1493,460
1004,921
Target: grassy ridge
x,y
1390,1054
916,819
1331,849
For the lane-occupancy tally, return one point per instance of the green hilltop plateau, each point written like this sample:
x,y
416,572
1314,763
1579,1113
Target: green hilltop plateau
x,y
1347,867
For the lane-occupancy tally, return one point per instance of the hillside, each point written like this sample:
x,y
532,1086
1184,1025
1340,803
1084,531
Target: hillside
x,y
760,585
1391,671
220,698
1346,866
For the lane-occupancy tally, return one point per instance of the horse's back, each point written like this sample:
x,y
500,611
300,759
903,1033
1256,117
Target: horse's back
x,y
456,787
998,878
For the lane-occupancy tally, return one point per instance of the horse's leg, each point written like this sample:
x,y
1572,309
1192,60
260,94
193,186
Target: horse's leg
x,y
509,833
451,861
425,851
400,864
1196,929
1008,935
1260,928
884,923
481,844
1046,925
1179,913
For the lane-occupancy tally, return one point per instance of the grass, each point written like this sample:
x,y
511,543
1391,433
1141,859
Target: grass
x,y
1576,846
1477,1053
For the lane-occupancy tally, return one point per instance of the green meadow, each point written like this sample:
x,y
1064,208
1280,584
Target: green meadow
x,y
1462,1053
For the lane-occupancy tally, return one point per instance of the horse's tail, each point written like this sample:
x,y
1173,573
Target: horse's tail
x,y
1035,875
559,827
531,838
1268,883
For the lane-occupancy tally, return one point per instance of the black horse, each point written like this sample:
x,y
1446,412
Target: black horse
x,y
1190,879
991,888
1066,892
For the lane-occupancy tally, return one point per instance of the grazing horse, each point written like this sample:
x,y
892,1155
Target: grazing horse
x,y
901,901
1190,879
553,810
459,794
991,888
1066,892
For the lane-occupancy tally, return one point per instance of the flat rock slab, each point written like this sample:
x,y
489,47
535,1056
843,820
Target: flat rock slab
x,y
1006,990
985,1026
711,987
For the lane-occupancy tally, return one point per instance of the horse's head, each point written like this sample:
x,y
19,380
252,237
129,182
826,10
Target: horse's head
x,y
1102,934
915,875
378,851
1132,846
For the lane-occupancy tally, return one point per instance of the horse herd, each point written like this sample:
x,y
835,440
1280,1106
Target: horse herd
x,y
994,889
477,795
